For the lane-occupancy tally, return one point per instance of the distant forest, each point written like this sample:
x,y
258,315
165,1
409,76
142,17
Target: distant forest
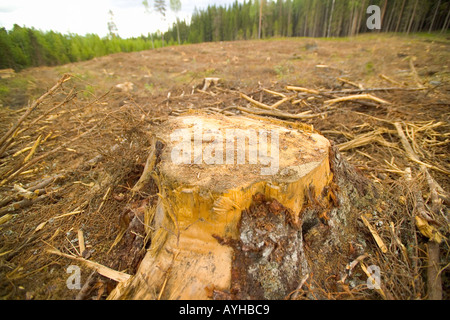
x,y
24,47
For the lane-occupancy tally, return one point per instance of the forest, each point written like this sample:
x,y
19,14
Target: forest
x,y
24,47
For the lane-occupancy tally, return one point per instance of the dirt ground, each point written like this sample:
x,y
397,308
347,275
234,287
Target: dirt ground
x,y
92,141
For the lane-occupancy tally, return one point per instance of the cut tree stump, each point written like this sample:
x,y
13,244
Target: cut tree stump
x,y
229,218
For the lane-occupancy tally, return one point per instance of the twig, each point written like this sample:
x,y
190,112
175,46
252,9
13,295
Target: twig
x,y
25,203
414,72
434,282
68,98
256,103
433,275
43,156
357,97
379,290
32,186
357,85
295,295
279,103
382,76
81,242
86,287
280,114
325,94
149,166
411,154
351,91
375,235
33,106
33,149
282,95
101,269
301,89
399,243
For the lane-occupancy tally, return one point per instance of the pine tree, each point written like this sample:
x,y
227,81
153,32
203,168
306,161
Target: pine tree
x,y
112,28
175,6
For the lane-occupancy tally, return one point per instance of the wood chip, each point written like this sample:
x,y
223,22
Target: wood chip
x,y
375,235
101,269
81,242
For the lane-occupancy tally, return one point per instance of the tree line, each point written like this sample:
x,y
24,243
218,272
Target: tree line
x,y
313,18
24,47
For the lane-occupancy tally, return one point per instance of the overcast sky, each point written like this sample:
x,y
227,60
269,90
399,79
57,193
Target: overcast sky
x,y
91,16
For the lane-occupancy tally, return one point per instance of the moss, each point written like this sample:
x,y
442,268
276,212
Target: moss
x,y
88,91
370,69
283,70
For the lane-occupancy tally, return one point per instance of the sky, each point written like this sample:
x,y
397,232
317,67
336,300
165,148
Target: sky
x,y
91,16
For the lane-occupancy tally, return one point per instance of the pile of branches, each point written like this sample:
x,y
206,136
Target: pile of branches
x,y
68,166
66,162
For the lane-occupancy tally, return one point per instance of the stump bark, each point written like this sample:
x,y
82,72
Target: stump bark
x,y
237,196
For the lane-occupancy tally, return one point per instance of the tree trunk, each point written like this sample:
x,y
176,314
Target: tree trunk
x,y
382,16
445,26
351,20
178,31
153,43
325,20
391,17
233,230
331,19
361,16
260,18
412,17
400,16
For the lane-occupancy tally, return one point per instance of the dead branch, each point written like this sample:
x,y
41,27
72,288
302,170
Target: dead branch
x,y
86,287
68,98
410,152
33,106
375,235
433,274
357,97
353,84
301,89
40,184
43,156
256,103
434,282
280,114
328,95
352,91
282,95
149,166
414,72
366,138
101,269
382,76
279,103
25,203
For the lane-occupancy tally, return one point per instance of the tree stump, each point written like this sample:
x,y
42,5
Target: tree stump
x,y
234,193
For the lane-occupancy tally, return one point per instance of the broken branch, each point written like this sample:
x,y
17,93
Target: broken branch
x,y
33,106
101,269
357,97
256,103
